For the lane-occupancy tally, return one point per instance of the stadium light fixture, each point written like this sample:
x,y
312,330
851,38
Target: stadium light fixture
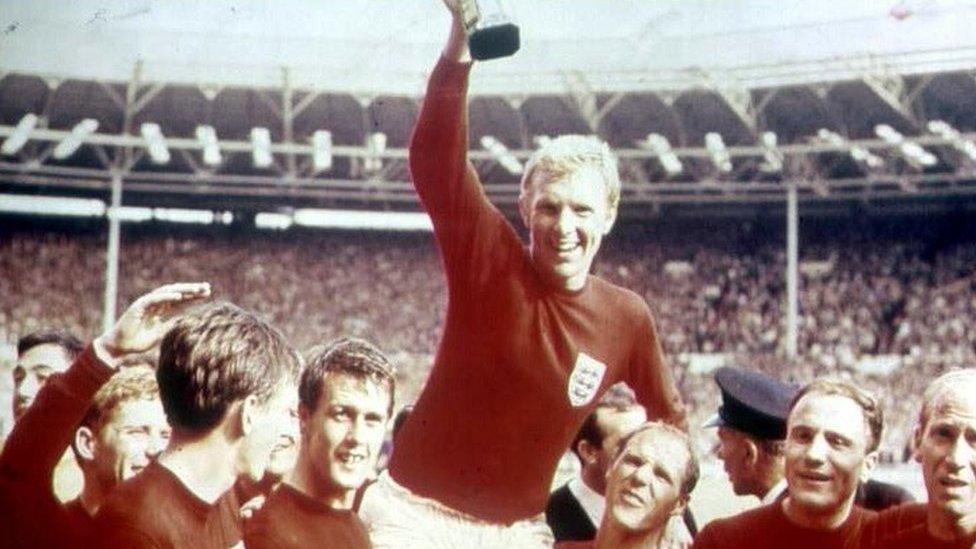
x,y
375,147
717,150
659,145
261,147
155,142
771,153
860,154
73,141
207,137
912,152
16,140
130,213
501,154
356,219
51,205
322,151
944,130
272,220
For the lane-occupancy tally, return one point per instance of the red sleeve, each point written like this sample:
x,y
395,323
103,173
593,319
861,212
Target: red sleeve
x,y
44,432
467,226
650,377
121,536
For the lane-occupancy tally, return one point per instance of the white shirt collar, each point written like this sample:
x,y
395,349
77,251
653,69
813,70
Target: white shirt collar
x,y
774,492
591,501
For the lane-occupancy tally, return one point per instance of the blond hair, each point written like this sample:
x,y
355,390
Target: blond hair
x,y
568,154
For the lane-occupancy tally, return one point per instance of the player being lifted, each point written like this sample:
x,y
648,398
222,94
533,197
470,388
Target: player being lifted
x,y
531,338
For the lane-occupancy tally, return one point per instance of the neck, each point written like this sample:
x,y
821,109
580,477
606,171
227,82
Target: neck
x,y
92,494
305,479
611,537
817,521
205,465
946,527
592,479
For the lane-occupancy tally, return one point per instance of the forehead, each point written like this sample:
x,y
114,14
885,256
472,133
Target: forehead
x,y
954,404
50,355
584,182
659,447
833,413
340,388
137,411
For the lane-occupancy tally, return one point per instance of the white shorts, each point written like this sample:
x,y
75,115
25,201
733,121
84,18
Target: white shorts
x,y
396,517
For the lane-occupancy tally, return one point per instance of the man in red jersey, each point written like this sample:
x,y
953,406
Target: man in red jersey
x,y
833,432
945,442
531,339
346,398
227,381
30,514
122,433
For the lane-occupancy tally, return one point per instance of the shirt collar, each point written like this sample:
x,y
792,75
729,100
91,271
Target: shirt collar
x,y
589,499
774,492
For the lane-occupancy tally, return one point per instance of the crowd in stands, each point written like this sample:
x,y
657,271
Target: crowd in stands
x,y
874,297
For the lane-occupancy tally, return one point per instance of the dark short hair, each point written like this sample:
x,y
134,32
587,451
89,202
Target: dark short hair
x,y
692,470
868,403
72,345
349,356
216,355
619,397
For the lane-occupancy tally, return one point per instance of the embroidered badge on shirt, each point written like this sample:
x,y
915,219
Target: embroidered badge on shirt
x,y
585,380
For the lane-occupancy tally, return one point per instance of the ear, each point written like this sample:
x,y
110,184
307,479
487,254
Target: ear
x,y
248,417
610,220
587,452
870,461
85,443
304,416
917,435
751,449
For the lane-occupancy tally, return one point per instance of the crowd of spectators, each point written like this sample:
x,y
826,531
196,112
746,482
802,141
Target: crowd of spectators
x,y
862,297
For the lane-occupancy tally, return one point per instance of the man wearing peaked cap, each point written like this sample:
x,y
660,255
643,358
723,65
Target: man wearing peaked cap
x,y
751,427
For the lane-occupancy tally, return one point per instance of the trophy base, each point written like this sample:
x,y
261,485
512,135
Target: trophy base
x,y
494,41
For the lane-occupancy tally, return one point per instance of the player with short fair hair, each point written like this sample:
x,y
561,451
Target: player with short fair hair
x,y
122,433
227,382
346,398
531,338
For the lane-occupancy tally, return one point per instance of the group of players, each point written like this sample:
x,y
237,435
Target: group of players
x,y
237,439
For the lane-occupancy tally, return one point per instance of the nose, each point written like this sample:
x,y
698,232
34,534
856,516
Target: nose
x,y
157,444
564,221
960,454
816,451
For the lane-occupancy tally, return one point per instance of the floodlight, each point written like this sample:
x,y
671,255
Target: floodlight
x,y
659,145
501,154
375,147
207,137
718,152
70,144
261,147
16,140
155,142
954,136
912,152
322,151
772,154
858,153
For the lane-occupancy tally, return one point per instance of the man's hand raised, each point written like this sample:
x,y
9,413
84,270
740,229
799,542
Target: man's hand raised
x,y
146,321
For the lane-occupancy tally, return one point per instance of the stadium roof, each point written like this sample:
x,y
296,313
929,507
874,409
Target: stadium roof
x,y
386,46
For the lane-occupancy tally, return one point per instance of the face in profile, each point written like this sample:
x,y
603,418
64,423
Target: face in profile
x,y
826,453
946,448
267,424
33,368
285,451
734,452
644,483
567,218
344,433
134,433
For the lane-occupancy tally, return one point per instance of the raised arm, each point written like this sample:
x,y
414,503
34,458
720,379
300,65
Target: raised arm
x,y
43,433
651,378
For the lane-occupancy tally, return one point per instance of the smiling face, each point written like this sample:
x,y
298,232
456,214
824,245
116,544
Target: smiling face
x,y
135,433
947,451
267,423
343,435
644,484
827,453
33,368
567,216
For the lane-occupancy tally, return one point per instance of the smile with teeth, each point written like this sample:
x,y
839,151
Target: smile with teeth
x,y
350,459
814,476
631,498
